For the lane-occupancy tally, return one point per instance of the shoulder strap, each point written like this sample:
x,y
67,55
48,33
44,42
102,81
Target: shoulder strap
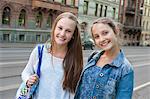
x,y
40,54
91,56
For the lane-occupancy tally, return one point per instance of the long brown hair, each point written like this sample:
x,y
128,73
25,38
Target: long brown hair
x,y
73,61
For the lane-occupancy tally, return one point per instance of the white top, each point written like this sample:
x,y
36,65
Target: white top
x,y
51,79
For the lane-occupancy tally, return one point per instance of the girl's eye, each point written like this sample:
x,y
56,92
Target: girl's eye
x,y
60,28
96,36
68,31
105,33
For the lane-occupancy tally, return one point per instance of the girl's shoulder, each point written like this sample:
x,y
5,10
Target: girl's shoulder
x,y
126,67
36,48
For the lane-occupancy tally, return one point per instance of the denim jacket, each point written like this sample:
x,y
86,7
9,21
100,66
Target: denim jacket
x,y
113,81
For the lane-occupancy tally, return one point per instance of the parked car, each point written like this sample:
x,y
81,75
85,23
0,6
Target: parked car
x,y
88,44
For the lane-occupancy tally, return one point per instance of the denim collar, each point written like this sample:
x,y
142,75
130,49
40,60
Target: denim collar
x,y
117,62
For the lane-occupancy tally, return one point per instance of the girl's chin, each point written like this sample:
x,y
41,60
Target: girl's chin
x,y
61,44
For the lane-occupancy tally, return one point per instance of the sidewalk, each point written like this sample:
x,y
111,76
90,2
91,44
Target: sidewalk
x,y
17,45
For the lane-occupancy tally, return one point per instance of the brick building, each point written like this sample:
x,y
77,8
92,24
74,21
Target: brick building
x,y
130,15
31,20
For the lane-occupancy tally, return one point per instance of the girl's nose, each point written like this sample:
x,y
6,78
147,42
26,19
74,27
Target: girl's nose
x,y
62,32
101,38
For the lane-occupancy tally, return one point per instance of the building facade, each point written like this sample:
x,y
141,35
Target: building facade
x,y
90,10
31,20
145,37
130,15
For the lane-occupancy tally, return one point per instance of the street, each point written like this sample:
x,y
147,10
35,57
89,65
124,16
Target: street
x,y
14,59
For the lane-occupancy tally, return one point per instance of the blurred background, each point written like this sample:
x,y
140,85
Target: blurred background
x,y
25,23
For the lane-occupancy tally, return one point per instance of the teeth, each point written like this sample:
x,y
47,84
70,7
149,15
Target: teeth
x,y
103,44
60,38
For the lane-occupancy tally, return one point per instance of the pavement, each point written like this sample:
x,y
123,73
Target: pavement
x,y
20,45
13,62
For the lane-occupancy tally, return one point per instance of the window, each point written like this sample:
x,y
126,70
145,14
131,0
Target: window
x,y
38,38
6,37
64,1
105,14
114,13
48,37
96,9
39,19
148,12
22,17
101,10
6,16
85,7
147,25
83,26
125,37
21,37
145,1
145,12
143,25
49,21
72,2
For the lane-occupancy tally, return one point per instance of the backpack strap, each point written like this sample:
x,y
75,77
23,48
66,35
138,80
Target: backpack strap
x,y
92,55
40,54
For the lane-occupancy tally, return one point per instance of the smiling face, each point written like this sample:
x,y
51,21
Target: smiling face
x,y
104,36
64,31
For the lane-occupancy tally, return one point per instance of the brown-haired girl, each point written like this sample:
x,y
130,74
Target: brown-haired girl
x,y
61,63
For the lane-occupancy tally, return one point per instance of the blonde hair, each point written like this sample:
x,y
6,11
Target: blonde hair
x,y
73,61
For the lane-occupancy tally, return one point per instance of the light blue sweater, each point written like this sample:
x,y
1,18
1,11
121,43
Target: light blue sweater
x,y
50,84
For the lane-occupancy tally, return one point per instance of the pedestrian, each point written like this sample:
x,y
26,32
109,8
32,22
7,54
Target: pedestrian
x,y
62,61
108,74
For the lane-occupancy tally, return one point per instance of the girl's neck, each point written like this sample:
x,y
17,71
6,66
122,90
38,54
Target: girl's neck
x,y
59,51
112,53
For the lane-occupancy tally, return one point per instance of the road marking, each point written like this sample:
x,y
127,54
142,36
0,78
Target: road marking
x,y
15,86
141,65
147,55
142,86
16,56
7,63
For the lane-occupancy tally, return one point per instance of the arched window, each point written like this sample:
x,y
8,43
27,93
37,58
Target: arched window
x,y
85,8
49,21
6,16
22,17
39,19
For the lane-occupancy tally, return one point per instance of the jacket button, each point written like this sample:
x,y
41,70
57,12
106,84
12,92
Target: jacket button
x,y
97,86
94,97
101,74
